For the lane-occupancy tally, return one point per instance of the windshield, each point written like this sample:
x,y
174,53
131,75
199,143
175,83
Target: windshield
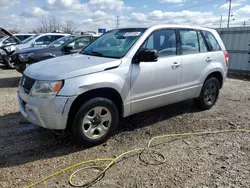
x,y
115,43
29,38
59,42
2,38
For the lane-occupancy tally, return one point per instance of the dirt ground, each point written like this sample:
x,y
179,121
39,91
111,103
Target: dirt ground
x,y
29,153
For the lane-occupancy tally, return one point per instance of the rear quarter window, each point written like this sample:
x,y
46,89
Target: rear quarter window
x,y
211,41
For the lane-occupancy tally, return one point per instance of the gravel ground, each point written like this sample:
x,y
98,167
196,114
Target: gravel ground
x,y
28,153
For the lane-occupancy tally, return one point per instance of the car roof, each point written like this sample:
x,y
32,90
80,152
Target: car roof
x,y
63,34
160,26
24,34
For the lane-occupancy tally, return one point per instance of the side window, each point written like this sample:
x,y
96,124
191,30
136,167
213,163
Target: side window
x,y
163,41
57,37
45,40
20,37
80,43
203,47
212,42
189,42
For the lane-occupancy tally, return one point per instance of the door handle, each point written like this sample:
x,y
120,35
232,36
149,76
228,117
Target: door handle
x,y
208,59
175,65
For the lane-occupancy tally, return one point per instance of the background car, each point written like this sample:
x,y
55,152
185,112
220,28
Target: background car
x,y
63,46
7,46
22,37
40,40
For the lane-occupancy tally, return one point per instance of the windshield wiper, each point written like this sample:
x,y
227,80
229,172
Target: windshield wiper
x,y
85,52
96,53
92,53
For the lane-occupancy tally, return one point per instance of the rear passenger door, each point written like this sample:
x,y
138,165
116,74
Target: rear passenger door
x,y
195,58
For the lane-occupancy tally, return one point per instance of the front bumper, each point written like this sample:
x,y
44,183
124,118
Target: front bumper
x,y
47,113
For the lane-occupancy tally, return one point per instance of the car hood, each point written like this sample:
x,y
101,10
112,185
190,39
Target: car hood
x,y
7,33
21,46
69,66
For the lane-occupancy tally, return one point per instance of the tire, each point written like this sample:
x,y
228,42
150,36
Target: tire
x,y
21,68
89,126
209,94
9,64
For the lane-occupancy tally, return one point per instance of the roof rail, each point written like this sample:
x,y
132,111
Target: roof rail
x,y
88,32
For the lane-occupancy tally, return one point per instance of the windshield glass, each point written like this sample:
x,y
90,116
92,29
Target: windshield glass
x,y
29,38
115,43
2,38
59,42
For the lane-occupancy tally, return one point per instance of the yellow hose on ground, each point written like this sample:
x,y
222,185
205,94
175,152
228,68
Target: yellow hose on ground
x,y
118,158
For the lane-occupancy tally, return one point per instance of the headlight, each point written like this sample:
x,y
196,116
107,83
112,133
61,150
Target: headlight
x,y
25,57
46,89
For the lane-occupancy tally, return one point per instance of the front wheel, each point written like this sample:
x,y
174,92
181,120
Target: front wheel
x,y
10,64
95,121
209,94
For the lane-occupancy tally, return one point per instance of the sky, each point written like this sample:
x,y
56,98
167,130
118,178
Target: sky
x,y
87,15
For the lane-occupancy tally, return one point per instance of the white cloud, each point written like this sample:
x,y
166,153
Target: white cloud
x,y
87,21
8,3
138,17
107,4
226,5
67,6
5,4
171,1
145,6
34,12
244,10
179,5
184,17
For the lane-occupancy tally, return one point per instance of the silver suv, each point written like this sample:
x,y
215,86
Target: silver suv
x,y
123,72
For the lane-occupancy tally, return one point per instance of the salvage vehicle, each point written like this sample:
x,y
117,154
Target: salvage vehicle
x,y
7,46
22,37
40,40
63,46
123,72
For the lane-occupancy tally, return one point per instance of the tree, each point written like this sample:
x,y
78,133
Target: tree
x,y
14,30
48,24
51,23
69,27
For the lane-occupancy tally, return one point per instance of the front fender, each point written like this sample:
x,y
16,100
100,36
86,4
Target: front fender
x,y
114,79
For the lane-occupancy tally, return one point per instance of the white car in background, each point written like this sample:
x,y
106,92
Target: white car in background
x,y
40,40
22,37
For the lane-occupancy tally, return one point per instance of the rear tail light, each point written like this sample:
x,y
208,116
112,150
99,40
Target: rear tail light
x,y
226,57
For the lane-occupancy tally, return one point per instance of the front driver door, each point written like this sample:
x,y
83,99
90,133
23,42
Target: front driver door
x,y
155,84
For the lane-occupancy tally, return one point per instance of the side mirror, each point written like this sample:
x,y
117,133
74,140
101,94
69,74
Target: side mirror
x,y
147,55
68,48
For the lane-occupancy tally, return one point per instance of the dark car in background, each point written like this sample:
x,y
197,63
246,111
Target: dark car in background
x,y
63,46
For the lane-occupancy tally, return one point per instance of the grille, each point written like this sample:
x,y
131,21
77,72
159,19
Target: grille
x,y
27,83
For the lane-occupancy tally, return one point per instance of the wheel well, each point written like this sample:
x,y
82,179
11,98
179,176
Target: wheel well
x,y
108,93
216,75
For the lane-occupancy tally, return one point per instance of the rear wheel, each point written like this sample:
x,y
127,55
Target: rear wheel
x,y
95,121
209,94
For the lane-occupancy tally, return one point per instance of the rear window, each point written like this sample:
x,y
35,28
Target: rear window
x,y
189,41
211,41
